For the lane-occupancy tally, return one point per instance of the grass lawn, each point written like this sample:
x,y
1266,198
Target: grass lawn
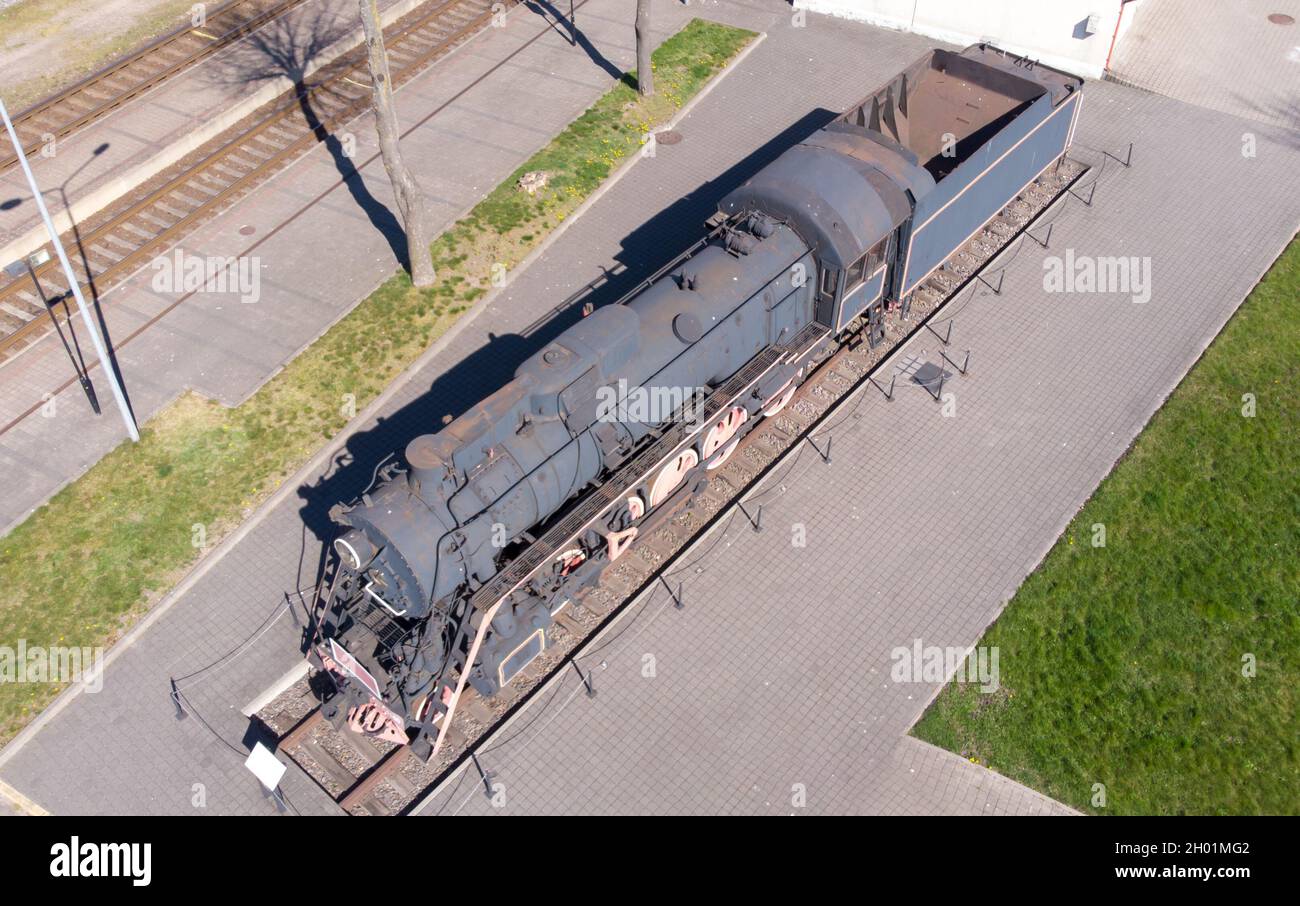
x,y
1123,665
83,567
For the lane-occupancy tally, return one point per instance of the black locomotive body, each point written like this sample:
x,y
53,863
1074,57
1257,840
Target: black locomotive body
x,y
450,571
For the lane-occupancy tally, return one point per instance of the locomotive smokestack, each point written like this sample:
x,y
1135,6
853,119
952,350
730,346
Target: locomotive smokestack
x,y
423,455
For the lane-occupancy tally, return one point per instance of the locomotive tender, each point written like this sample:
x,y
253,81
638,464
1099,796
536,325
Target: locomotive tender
x,y
450,571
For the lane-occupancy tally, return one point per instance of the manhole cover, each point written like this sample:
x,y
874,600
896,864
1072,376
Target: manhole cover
x,y
1281,19
247,230
930,375
667,137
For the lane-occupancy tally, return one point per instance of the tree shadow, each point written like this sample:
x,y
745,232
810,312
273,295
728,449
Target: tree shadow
x,y
1271,112
285,48
466,383
568,29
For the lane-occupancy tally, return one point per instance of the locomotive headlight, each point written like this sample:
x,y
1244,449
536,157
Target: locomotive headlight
x,y
355,550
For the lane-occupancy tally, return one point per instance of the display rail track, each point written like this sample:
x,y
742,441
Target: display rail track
x,y
348,766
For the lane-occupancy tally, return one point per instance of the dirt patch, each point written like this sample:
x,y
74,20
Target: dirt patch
x,y
47,44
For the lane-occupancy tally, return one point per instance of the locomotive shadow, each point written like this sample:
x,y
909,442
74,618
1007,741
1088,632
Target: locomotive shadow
x,y
492,364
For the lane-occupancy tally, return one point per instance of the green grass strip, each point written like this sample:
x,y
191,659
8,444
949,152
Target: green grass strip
x,y
81,569
1127,665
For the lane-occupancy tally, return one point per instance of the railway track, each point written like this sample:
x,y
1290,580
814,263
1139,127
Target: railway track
x,y
653,555
97,95
362,776
116,242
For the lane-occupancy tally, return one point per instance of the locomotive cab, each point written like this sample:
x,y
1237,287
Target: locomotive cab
x,y
848,193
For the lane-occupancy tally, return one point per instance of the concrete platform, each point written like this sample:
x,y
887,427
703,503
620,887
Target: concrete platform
x,y
921,528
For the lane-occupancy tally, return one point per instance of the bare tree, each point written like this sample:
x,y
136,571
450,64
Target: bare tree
x,y
645,77
410,200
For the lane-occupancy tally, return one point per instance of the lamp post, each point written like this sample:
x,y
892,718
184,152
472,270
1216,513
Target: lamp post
x,y
118,394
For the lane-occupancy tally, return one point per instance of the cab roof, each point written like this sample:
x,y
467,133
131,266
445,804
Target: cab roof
x,y
843,189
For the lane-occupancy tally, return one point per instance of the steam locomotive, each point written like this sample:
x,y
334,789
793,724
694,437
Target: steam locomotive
x,y
450,571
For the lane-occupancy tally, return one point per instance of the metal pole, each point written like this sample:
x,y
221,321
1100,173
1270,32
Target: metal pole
x,y
127,418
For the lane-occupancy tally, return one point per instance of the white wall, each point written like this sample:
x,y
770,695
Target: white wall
x,y
1050,31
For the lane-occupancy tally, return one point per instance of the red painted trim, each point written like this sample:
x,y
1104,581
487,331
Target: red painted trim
x,y
1115,37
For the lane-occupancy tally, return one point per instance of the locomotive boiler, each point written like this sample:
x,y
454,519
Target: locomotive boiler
x,y
451,569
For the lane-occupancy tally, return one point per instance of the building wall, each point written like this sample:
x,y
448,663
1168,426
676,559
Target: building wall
x,y
1050,31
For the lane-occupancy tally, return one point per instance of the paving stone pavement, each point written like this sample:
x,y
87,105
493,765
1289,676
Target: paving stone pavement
x,y
921,527
1225,56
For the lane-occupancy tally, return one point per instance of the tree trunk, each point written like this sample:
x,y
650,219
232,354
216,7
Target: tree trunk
x,y
645,76
406,191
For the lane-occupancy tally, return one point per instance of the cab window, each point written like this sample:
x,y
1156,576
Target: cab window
x,y
875,256
857,273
